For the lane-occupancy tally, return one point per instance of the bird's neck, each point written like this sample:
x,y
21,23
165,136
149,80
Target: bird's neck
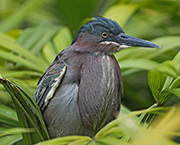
x,y
86,43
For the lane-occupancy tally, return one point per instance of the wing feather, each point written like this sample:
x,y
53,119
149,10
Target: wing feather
x,y
49,82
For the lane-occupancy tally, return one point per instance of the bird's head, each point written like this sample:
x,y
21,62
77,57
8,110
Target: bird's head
x,y
106,36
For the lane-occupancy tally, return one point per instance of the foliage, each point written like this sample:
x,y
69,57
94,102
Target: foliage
x,y
125,128
33,32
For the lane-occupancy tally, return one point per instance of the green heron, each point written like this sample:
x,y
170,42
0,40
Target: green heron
x,y
81,90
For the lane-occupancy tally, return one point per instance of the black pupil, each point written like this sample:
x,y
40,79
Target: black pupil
x,y
104,34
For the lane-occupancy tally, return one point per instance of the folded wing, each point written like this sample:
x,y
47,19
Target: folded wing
x,y
49,82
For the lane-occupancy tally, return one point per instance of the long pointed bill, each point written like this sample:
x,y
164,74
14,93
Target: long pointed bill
x,y
129,41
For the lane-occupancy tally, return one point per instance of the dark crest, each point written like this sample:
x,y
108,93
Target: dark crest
x,y
100,24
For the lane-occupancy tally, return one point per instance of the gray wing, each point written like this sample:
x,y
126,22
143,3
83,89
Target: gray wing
x,y
49,82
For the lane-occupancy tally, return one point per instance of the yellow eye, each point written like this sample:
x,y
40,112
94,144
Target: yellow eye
x,y
104,34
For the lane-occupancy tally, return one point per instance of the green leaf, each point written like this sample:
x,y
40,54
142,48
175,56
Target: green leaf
x,y
20,60
49,52
9,140
20,73
125,10
109,126
170,68
80,142
175,83
24,105
10,44
112,141
177,58
113,132
20,14
64,140
8,115
34,39
37,111
167,43
63,39
156,82
174,91
163,78
154,109
138,63
15,131
134,53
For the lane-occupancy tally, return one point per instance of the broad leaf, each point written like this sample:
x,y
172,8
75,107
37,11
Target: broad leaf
x,y
169,68
156,82
126,12
144,64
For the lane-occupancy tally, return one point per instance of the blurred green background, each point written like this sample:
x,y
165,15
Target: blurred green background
x,y
33,32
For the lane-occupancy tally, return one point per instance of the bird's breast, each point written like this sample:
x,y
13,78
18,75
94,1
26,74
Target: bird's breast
x,y
107,72
99,91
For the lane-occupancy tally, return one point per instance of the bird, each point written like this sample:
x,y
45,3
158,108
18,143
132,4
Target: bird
x,y
80,92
